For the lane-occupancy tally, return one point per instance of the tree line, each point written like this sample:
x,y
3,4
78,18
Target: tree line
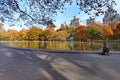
x,y
96,31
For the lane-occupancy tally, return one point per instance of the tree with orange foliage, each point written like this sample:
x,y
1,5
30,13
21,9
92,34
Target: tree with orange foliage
x,y
34,33
12,34
48,33
23,34
79,34
116,31
107,31
116,26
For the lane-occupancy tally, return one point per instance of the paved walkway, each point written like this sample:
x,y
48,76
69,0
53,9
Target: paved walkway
x,y
19,64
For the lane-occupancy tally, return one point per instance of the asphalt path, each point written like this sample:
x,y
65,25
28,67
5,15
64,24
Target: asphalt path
x,y
21,64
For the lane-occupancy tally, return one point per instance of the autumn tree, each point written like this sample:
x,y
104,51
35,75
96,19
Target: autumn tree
x,y
80,33
2,32
42,11
105,28
58,36
116,36
42,35
71,29
116,26
1,27
34,33
62,35
116,23
48,33
107,31
116,31
23,34
12,34
93,32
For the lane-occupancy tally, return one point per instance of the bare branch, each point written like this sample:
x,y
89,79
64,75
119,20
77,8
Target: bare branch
x,y
17,5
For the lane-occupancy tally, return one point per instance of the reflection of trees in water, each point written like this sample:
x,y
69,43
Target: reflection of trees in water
x,y
41,45
62,45
87,46
79,46
58,45
115,46
96,46
71,45
82,46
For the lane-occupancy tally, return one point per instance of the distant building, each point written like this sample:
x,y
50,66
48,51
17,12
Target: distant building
x,y
64,25
110,16
75,22
90,21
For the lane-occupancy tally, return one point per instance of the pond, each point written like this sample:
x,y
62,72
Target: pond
x,y
62,45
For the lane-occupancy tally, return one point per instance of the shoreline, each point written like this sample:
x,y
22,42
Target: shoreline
x,y
63,51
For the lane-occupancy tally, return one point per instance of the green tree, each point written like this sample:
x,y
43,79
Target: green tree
x,y
42,35
93,32
105,28
71,30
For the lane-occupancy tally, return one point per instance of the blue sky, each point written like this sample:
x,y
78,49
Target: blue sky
x,y
73,11
68,14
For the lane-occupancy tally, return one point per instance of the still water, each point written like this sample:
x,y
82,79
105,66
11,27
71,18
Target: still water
x,y
62,45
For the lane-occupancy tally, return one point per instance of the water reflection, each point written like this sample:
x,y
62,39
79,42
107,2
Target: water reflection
x,y
63,45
